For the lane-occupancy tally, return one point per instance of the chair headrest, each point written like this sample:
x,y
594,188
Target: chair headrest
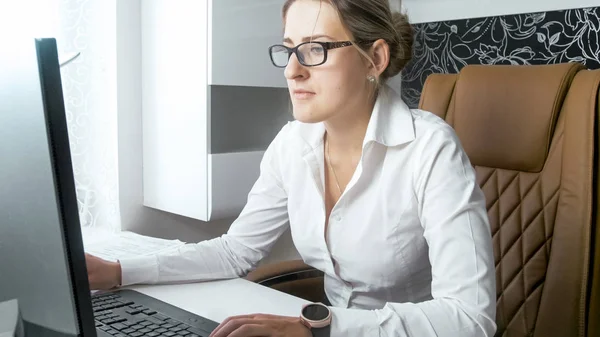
x,y
505,115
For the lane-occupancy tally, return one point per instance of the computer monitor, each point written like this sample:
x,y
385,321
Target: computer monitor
x,y
42,261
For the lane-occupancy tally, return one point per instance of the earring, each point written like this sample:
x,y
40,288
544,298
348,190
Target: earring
x,y
371,78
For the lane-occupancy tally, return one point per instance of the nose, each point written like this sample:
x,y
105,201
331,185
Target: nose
x,y
294,69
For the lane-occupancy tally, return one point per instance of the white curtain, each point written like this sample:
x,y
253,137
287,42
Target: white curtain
x,y
89,85
90,90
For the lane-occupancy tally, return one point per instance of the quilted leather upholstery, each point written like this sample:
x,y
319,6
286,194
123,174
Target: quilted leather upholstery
x,y
541,221
522,238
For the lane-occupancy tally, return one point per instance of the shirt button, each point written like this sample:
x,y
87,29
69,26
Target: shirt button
x,y
338,218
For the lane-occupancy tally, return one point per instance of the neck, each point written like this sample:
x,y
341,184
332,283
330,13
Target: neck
x,y
346,132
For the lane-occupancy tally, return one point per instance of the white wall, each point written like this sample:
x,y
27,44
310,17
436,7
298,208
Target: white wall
x,y
443,10
134,216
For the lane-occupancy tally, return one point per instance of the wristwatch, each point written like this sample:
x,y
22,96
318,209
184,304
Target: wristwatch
x,y
317,318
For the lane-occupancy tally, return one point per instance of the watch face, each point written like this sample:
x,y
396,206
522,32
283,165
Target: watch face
x,y
315,312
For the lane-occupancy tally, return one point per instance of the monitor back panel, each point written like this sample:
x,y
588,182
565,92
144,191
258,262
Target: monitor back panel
x,y
33,263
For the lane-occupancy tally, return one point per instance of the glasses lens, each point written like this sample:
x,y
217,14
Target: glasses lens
x,y
311,54
279,55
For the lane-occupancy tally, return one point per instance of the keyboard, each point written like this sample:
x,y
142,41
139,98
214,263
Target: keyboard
x,y
128,313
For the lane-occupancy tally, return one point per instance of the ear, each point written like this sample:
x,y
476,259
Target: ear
x,y
380,53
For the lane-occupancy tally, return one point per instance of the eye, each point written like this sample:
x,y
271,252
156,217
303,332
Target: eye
x,y
316,49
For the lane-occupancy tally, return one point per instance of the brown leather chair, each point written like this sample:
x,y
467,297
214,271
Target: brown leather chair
x,y
531,133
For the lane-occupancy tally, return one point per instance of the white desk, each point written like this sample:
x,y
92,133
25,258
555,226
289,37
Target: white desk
x,y
217,300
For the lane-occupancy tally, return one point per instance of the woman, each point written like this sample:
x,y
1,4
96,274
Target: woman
x,y
379,197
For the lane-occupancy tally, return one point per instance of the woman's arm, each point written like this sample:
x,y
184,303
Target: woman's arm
x,y
456,227
249,239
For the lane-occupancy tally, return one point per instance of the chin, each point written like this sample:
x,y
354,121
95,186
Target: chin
x,y
305,115
307,110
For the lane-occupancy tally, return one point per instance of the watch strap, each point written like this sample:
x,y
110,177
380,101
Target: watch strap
x,y
321,332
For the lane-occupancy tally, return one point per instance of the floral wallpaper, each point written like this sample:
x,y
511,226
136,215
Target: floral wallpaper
x,y
536,38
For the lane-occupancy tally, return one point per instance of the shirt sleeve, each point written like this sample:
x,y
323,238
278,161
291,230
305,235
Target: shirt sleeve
x,y
453,214
250,238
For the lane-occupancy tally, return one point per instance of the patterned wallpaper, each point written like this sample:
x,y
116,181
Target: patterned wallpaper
x,y
536,38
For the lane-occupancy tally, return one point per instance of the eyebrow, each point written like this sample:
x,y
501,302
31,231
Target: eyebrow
x,y
309,38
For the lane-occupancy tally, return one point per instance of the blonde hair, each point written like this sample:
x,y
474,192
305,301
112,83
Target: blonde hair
x,y
370,20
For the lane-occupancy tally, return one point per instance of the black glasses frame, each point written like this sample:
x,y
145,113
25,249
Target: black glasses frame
x,y
326,46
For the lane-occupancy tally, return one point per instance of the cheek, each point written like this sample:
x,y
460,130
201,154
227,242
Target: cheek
x,y
346,84
351,74
340,84
338,92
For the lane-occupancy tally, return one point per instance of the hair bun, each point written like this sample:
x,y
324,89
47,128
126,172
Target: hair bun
x,y
401,48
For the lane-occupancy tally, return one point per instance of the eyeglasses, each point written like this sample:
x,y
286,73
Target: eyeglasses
x,y
309,54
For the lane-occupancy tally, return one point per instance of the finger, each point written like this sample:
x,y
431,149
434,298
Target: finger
x,y
277,317
252,330
230,318
217,330
267,317
235,323
252,316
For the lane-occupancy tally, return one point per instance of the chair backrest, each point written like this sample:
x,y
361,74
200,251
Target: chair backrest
x,y
530,132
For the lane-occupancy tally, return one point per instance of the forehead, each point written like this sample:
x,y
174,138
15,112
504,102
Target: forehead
x,y
306,18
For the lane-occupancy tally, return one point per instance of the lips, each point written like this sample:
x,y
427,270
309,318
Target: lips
x,y
303,94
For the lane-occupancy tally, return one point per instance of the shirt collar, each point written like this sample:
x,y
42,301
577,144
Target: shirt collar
x,y
391,122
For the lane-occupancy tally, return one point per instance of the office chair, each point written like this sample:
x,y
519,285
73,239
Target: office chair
x,y
531,133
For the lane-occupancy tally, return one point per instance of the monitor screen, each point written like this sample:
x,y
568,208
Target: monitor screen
x,y
42,262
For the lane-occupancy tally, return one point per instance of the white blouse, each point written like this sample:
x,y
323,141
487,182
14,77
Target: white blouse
x,y
408,249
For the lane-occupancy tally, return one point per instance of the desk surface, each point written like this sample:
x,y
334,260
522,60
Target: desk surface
x,y
217,300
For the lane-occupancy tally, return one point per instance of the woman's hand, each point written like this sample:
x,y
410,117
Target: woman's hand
x,y
102,274
261,325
